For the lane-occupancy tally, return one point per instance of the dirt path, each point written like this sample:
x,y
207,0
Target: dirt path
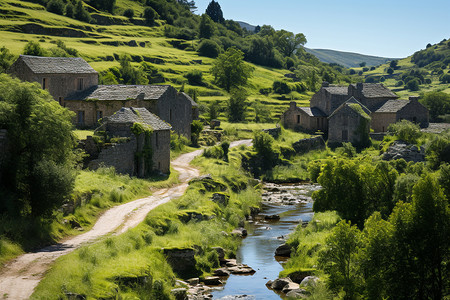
x,y
20,276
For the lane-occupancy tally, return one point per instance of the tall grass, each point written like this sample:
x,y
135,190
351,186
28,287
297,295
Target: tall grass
x,y
131,265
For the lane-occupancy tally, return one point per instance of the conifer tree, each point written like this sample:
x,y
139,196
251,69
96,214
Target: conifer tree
x,y
215,12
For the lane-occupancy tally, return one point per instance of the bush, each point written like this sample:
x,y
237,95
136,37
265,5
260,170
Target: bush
x,y
129,13
150,15
413,85
194,77
34,48
70,10
214,152
177,141
237,105
196,129
6,59
209,48
405,131
281,87
56,6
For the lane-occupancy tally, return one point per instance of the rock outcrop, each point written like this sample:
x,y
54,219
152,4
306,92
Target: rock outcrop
x,y
401,149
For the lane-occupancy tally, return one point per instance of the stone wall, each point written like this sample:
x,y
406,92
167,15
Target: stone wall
x,y
274,132
381,120
344,126
414,112
306,145
176,109
161,151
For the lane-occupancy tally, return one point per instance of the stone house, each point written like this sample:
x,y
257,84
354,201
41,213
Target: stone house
x,y
395,110
350,122
382,104
74,84
59,75
139,154
309,119
103,100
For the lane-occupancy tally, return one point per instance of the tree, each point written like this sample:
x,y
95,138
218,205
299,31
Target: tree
x,y
129,13
237,105
194,77
150,15
81,13
207,27
69,10
339,259
129,74
106,5
405,131
438,103
393,64
363,64
196,129
230,70
390,71
287,42
38,175
35,49
56,6
6,59
215,12
266,157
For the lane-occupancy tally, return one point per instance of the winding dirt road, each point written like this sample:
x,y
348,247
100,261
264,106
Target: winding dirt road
x,y
19,277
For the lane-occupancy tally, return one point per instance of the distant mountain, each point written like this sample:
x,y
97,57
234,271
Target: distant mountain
x,y
347,59
247,26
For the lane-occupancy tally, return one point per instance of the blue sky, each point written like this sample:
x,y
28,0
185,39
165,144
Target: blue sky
x,y
389,28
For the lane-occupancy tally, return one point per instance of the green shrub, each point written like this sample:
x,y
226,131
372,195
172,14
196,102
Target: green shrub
x,y
129,13
405,131
56,6
194,77
281,87
209,48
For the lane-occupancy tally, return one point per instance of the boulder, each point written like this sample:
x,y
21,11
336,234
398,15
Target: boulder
x,y
220,252
283,250
298,276
401,149
242,232
212,280
290,287
297,293
220,198
272,217
230,262
241,269
221,272
209,183
193,281
280,283
179,294
182,260
309,280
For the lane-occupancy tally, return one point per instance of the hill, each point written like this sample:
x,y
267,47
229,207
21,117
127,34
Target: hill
x,y
347,59
247,26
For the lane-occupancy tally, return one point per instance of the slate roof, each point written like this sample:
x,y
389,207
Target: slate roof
x,y
336,90
349,101
130,115
190,99
393,106
57,65
313,111
120,92
375,90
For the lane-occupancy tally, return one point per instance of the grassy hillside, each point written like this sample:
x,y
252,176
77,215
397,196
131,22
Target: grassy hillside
x,y
347,59
428,67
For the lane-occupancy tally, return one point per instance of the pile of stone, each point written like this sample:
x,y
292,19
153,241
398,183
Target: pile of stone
x,y
291,288
401,149
288,194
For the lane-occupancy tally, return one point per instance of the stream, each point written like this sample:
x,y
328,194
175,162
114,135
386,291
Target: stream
x,y
293,204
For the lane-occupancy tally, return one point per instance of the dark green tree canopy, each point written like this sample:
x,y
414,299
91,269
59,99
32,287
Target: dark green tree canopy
x,y
215,12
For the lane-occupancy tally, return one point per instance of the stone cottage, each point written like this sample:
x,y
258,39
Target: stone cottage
x,y
350,122
395,110
74,84
101,101
308,119
383,106
141,153
59,75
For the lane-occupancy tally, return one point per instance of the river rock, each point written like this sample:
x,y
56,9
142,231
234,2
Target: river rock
x,y
289,287
272,217
221,272
298,276
181,260
212,280
297,293
280,283
230,262
283,250
309,280
241,269
242,232
179,294
269,283
193,281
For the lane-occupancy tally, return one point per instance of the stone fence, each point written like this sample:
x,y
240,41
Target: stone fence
x,y
306,145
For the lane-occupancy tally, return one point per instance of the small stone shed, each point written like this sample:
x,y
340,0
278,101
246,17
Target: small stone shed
x,y
309,119
141,154
395,110
59,75
349,123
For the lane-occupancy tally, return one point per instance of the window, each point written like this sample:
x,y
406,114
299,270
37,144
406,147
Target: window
x,y
298,119
157,140
344,135
80,117
99,114
44,83
80,84
60,100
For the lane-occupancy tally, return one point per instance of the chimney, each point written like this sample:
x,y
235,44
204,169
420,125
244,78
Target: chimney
x,y
325,84
292,105
359,86
413,98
